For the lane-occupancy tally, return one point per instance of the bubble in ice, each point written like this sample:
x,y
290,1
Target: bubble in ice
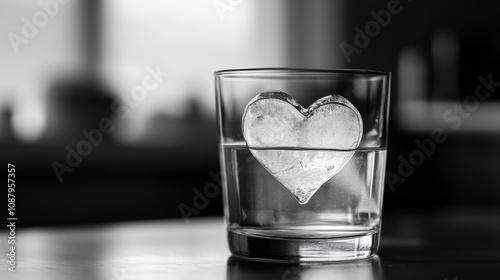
x,y
302,148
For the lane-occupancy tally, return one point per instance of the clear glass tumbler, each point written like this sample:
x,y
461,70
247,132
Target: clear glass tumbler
x,y
342,220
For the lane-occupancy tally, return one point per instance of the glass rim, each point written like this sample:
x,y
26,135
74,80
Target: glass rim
x,y
285,70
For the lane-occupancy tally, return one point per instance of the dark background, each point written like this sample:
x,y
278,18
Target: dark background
x,y
93,52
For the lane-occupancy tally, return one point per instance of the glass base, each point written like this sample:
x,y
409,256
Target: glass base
x,y
276,249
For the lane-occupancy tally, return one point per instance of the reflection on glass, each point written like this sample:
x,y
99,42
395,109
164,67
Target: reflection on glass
x,y
240,269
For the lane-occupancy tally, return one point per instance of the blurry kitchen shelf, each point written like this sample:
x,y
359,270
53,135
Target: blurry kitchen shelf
x,y
424,116
110,154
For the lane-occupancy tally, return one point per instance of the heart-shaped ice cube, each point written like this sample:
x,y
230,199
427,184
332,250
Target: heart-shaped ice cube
x,y
301,148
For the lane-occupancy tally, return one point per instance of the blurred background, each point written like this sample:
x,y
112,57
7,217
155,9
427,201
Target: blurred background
x,y
148,65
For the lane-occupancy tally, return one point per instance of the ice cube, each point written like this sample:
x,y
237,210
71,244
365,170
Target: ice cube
x,y
301,148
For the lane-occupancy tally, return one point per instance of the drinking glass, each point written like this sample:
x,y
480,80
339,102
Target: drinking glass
x,y
342,220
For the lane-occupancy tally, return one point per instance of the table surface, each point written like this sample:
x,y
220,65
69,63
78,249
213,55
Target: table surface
x,y
446,245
